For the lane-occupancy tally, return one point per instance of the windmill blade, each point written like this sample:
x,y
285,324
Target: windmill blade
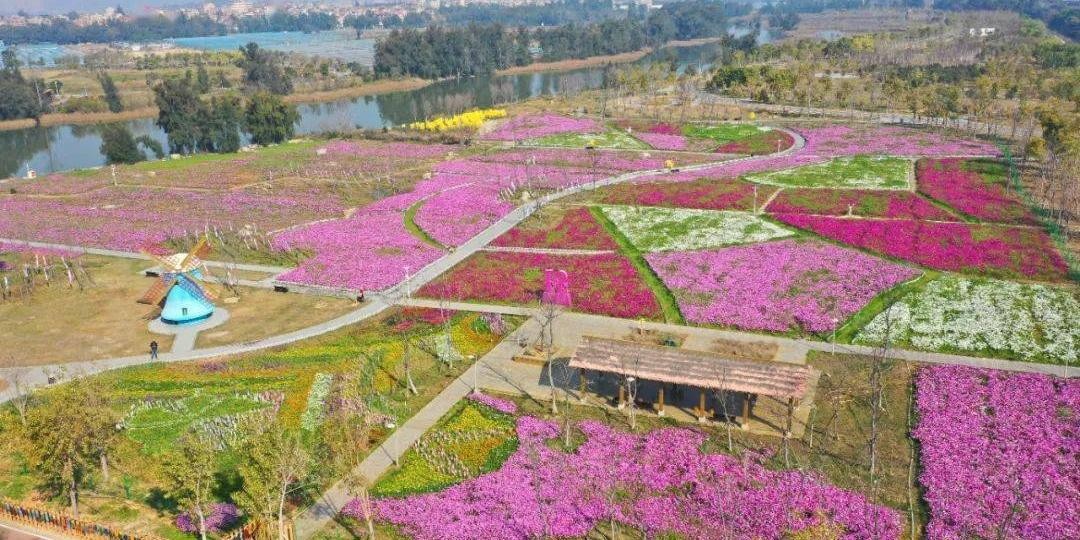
x,y
164,263
195,256
196,290
156,293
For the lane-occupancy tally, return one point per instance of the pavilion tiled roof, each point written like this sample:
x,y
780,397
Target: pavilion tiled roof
x,y
691,368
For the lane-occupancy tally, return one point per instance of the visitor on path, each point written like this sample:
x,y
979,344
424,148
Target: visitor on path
x,y
153,350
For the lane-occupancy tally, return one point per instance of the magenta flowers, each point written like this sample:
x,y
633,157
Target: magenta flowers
x,y
775,286
531,126
989,249
952,181
659,483
576,229
605,283
999,453
663,141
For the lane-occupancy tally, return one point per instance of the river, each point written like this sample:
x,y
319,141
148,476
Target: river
x,y
60,148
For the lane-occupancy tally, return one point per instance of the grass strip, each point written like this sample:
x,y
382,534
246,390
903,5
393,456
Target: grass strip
x,y
415,230
846,333
667,301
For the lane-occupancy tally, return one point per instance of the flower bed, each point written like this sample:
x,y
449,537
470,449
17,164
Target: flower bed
x,y
844,172
395,150
844,140
988,249
127,219
575,229
668,229
776,286
659,483
498,404
605,284
456,215
764,142
959,184
980,316
703,193
662,141
531,126
369,251
869,203
999,453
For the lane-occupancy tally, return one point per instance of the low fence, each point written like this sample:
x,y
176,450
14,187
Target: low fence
x,y
60,523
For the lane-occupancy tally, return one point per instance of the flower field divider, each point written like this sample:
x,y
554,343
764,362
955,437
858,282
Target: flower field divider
x,y
668,304
1057,234
40,518
846,332
410,225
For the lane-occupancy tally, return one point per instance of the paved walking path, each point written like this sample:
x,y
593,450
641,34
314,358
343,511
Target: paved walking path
x,y
130,255
548,251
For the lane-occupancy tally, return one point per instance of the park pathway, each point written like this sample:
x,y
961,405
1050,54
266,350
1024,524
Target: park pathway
x,y
35,376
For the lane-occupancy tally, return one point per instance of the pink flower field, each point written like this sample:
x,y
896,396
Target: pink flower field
x,y
605,284
999,453
662,141
775,286
868,203
952,181
532,126
456,215
576,229
126,219
702,193
660,483
992,250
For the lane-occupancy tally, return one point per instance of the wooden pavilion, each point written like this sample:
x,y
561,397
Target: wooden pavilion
x,y
688,368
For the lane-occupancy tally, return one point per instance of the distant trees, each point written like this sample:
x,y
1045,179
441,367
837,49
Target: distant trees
x,y
196,125
112,95
264,70
268,119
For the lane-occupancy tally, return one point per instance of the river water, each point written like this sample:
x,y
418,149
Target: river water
x,y
61,148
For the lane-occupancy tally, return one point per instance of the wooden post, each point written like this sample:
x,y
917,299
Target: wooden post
x,y
701,406
660,401
581,385
746,411
622,395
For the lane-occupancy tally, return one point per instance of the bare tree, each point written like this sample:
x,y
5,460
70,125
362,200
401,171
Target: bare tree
x,y
20,390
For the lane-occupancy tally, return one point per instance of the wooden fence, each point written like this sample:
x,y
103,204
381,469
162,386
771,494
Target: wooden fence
x,y
49,521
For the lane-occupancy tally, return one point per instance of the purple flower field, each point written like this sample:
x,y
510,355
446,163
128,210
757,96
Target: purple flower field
x,y
659,483
662,141
999,453
775,286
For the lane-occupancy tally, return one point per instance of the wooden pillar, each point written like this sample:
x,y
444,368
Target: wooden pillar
x,y
622,395
701,406
581,384
746,410
660,401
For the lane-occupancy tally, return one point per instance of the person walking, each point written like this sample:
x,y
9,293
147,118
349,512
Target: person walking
x,y
153,350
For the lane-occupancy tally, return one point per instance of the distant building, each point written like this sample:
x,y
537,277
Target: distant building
x,y
982,32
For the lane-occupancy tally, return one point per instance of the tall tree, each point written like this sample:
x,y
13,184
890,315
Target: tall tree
x,y
202,79
264,70
275,463
18,97
66,433
112,95
179,114
220,125
269,120
191,473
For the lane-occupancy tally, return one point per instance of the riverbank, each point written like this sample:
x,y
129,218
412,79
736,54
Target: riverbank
x,y
579,63
82,119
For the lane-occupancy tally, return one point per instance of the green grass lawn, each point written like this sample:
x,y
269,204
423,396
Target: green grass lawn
x,y
611,138
874,172
723,133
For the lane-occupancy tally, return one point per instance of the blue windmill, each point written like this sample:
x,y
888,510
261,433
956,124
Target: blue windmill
x,y
181,291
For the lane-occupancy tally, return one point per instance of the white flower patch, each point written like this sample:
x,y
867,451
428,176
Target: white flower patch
x,y
682,229
1026,321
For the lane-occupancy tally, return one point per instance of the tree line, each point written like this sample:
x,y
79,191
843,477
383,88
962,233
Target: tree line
x,y
476,49
195,122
